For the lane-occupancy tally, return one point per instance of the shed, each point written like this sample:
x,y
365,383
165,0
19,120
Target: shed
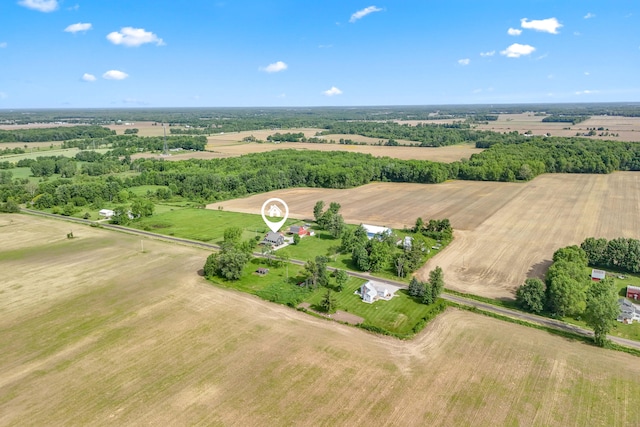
x,y
262,271
375,230
633,292
597,275
107,213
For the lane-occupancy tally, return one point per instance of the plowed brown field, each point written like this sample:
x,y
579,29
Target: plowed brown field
x,y
104,334
505,232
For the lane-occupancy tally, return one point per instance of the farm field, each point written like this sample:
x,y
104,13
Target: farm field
x,y
95,332
628,128
504,232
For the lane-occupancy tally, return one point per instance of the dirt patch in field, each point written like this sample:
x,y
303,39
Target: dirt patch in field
x,y
148,342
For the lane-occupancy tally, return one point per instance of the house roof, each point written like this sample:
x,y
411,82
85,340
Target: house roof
x,y
597,274
633,288
271,236
374,229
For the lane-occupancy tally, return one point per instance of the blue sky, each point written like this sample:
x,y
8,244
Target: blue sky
x,y
197,53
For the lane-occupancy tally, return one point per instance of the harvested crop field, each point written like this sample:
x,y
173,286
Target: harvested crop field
x,y
129,338
504,232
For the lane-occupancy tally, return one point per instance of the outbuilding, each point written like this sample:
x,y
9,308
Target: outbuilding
x,y
597,275
633,292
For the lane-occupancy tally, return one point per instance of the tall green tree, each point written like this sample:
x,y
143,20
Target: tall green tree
x,y
436,280
318,210
328,303
602,309
341,279
531,295
416,288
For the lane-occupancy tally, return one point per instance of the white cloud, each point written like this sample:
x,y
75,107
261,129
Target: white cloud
x,y
364,12
549,25
325,46
3,45
40,5
464,61
489,53
74,28
131,37
333,91
586,92
517,50
577,33
3,95
89,77
586,73
514,32
115,75
589,15
275,67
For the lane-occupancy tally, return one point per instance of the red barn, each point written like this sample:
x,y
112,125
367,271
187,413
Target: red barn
x,y
633,292
597,275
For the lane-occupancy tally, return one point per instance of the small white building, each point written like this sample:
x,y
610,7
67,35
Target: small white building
x,y
371,291
107,213
374,230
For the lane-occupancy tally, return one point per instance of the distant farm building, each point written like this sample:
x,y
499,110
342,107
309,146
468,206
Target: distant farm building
x,y
374,230
629,312
273,239
633,292
597,275
300,230
107,213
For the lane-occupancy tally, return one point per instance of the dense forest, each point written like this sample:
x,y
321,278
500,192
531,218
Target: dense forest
x,y
61,133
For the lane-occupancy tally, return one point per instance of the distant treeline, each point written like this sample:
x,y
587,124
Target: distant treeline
x,y
425,135
129,144
288,118
513,160
565,119
61,133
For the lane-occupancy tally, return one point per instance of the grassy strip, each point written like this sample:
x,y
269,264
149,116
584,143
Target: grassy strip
x,y
510,304
565,334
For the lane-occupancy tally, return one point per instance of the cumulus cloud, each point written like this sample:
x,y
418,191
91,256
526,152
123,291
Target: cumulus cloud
x,y
115,75
589,15
88,77
464,61
131,37
3,45
75,28
549,25
585,92
364,12
517,50
333,91
40,5
276,67
489,53
514,32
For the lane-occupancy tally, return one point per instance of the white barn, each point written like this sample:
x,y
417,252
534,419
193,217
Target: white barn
x,y
374,230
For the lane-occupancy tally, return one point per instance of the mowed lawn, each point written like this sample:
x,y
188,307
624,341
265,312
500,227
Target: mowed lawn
x,y
399,316
203,224
96,332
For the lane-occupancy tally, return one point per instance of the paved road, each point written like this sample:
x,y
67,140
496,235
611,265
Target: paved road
x,y
528,317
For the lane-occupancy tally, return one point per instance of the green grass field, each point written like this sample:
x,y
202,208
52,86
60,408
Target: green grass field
x,y
203,224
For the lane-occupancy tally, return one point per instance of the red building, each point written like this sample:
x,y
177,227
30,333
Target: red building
x,y
633,292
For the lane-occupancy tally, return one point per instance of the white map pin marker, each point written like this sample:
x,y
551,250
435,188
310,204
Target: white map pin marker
x,y
273,210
